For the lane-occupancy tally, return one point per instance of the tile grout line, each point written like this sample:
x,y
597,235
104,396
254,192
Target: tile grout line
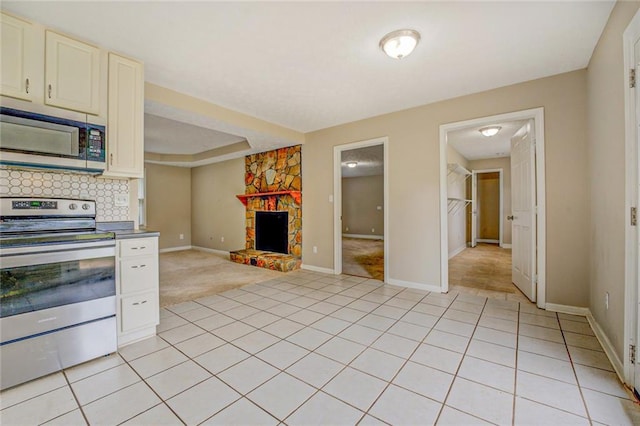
x,y
573,369
515,375
455,376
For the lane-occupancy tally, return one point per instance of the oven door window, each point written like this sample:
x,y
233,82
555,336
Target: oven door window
x,y
34,287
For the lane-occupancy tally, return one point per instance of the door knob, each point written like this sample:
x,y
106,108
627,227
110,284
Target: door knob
x,y
509,217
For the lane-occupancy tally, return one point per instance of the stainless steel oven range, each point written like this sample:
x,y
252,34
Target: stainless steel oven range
x,y
57,287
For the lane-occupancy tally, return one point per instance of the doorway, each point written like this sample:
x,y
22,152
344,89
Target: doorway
x,y
511,122
361,209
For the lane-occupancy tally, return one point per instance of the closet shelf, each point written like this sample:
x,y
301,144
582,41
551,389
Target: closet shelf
x,y
457,168
455,204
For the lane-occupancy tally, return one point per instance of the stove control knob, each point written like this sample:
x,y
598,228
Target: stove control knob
x,y
85,206
73,206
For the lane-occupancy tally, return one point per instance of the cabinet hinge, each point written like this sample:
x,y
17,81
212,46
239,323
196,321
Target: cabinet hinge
x,y
632,354
634,216
632,78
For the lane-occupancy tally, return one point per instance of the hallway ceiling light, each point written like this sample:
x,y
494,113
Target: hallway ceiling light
x,y
352,164
400,43
490,131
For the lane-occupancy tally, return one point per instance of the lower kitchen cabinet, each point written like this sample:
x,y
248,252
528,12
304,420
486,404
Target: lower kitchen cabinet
x,y
137,289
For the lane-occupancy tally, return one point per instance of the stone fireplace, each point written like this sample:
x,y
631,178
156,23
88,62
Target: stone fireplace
x,y
273,198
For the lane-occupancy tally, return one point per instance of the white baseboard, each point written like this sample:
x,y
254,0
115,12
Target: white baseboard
x,y
170,249
210,250
506,246
457,251
411,284
482,240
607,346
364,236
567,309
317,269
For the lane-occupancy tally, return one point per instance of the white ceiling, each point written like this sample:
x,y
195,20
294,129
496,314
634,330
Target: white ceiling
x,y
311,65
166,136
472,145
370,161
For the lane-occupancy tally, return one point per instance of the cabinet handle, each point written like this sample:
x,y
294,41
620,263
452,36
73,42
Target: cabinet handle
x,y
111,159
49,91
138,266
27,85
140,303
139,248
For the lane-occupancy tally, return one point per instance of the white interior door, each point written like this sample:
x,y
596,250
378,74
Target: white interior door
x,y
474,209
523,195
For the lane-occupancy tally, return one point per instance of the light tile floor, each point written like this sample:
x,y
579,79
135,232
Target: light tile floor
x,y
310,349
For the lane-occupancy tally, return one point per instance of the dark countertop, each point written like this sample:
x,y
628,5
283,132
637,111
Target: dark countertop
x,y
124,230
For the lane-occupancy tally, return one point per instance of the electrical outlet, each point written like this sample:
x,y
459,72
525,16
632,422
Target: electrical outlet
x,y
373,229
222,239
379,208
121,200
315,250
606,300
182,236
346,229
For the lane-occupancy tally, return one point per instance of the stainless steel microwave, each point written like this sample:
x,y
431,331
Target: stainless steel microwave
x,y
66,140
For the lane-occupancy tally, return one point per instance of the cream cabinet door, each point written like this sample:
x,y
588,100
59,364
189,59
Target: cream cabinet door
x,y
17,48
125,138
72,74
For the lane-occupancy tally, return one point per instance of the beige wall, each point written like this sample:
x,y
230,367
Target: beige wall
x,y
168,203
503,163
361,197
606,149
216,212
414,217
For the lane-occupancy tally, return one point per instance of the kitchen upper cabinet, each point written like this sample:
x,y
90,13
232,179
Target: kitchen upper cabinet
x,y
20,76
72,74
125,129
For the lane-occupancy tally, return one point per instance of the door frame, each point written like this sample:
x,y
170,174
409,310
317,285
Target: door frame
x,y
632,183
537,115
337,200
474,202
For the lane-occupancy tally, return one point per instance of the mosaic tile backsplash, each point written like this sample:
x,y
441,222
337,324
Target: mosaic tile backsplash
x,y
39,183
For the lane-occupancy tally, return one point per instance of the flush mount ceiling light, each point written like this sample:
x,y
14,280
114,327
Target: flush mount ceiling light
x,y
400,43
490,131
352,164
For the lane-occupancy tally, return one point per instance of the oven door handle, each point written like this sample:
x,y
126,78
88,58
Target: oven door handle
x,y
33,249
57,257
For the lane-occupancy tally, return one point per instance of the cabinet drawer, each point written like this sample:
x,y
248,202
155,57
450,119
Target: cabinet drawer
x,y
138,247
139,311
138,273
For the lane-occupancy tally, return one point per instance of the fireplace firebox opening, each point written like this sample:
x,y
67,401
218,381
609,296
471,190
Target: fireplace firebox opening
x,y
272,231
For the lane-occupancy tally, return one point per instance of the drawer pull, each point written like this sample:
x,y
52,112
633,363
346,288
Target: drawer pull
x,y
138,248
140,303
139,266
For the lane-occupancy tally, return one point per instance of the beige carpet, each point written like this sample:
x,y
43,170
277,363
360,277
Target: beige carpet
x,y
190,274
486,266
363,258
